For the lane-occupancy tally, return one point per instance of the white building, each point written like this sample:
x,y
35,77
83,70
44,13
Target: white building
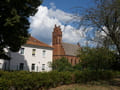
x,y
33,56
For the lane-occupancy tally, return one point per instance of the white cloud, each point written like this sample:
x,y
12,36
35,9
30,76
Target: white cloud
x,y
60,15
43,22
52,5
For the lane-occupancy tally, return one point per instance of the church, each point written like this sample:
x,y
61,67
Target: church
x,y
62,49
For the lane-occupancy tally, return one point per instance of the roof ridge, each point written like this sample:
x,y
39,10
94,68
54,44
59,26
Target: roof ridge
x,y
69,43
33,41
39,41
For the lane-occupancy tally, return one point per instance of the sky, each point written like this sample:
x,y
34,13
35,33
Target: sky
x,y
58,12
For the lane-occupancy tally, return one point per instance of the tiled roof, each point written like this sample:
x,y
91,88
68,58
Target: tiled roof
x,y
70,49
34,41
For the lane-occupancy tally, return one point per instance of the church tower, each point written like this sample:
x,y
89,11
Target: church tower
x,y
62,49
57,41
57,36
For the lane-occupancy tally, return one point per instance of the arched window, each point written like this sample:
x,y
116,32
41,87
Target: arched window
x,y
75,61
56,41
59,40
71,61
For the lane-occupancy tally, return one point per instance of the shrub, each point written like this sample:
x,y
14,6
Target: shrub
x,y
62,64
22,80
92,75
96,58
66,77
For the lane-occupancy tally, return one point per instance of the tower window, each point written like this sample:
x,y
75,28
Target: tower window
x,y
56,41
59,40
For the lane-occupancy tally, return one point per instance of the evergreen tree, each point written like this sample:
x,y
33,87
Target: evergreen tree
x,y
14,23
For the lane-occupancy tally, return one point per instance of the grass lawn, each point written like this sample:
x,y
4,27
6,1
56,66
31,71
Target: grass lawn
x,y
86,87
103,85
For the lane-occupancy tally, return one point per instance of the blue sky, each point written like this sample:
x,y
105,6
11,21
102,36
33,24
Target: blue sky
x,y
58,12
66,5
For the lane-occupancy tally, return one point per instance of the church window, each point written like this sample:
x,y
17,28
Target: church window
x,y
71,61
75,62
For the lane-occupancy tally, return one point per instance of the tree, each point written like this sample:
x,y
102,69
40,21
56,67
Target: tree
x,y
104,17
62,65
96,58
14,23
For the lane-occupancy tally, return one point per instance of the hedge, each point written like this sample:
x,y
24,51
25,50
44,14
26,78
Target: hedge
x,y
23,80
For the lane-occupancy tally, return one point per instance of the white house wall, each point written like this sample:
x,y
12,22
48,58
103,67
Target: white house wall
x,y
28,59
4,64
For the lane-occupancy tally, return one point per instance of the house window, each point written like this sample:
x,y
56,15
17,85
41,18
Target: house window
x,y
33,67
33,52
0,65
21,67
22,51
43,66
44,52
5,66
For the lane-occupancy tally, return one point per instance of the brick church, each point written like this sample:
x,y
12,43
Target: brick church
x,y
62,49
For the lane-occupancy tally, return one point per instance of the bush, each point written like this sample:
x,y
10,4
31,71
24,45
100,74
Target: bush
x,y
96,58
22,80
92,75
66,77
61,65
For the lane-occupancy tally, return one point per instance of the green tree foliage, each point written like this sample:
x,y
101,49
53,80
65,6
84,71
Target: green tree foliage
x,y
78,67
14,22
62,65
96,58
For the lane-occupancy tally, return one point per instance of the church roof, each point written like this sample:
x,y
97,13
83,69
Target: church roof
x,y
35,42
70,49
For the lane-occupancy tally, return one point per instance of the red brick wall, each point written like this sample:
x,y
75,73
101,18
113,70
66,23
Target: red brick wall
x,y
58,51
71,59
57,41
